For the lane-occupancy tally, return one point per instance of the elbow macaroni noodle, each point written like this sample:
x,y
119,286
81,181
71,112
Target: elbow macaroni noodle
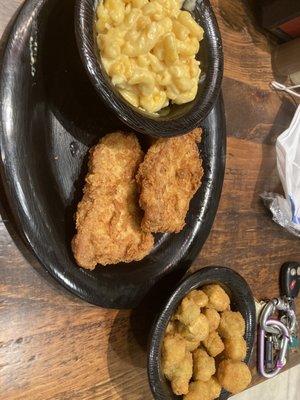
x,y
148,49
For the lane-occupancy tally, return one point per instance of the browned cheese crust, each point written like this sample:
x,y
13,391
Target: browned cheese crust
x,y
168,179
108,219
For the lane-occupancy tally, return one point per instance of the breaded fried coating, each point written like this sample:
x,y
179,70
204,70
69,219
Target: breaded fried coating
x,y
168,178
173,352
174,328
182,375
214,388
234,376
235,348
213,344
213,318
203,366
192,345
217,297
198,391
187,312
193,325
177,363
198,297
197,330
231,325
108,218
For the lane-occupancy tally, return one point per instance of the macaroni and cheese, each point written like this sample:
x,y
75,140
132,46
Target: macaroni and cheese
x,y
148,49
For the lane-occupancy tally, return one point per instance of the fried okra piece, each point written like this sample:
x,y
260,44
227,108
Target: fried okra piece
x,y
173,352
234,376
187,312
193,325
235,348
182,375
231,325
198,297
213,318
203,366
217,297
214,388
197,330
213,344
172,329
177,363
192,345
198,391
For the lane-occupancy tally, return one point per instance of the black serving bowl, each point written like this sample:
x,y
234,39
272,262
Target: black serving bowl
x,y
241,300
174,119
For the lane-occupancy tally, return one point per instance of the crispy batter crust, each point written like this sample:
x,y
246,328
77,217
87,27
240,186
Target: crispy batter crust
x,y
108,218
168,179
234,376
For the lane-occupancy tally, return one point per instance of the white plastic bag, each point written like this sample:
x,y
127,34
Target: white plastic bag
x,y
286,211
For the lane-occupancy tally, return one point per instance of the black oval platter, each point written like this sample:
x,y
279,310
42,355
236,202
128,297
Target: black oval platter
x,y
50,117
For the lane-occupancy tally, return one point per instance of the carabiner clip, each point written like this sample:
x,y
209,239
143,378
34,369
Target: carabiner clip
x,y
281,360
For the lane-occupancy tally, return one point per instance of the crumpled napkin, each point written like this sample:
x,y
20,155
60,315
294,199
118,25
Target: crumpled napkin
x,y
286,210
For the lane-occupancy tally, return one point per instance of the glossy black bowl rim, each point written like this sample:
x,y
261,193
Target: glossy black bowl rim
x,y
134,118
199,278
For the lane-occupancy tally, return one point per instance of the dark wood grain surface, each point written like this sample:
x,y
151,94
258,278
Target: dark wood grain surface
x,y
54,346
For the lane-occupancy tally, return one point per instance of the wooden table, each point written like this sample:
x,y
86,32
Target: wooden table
x,y
54,346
